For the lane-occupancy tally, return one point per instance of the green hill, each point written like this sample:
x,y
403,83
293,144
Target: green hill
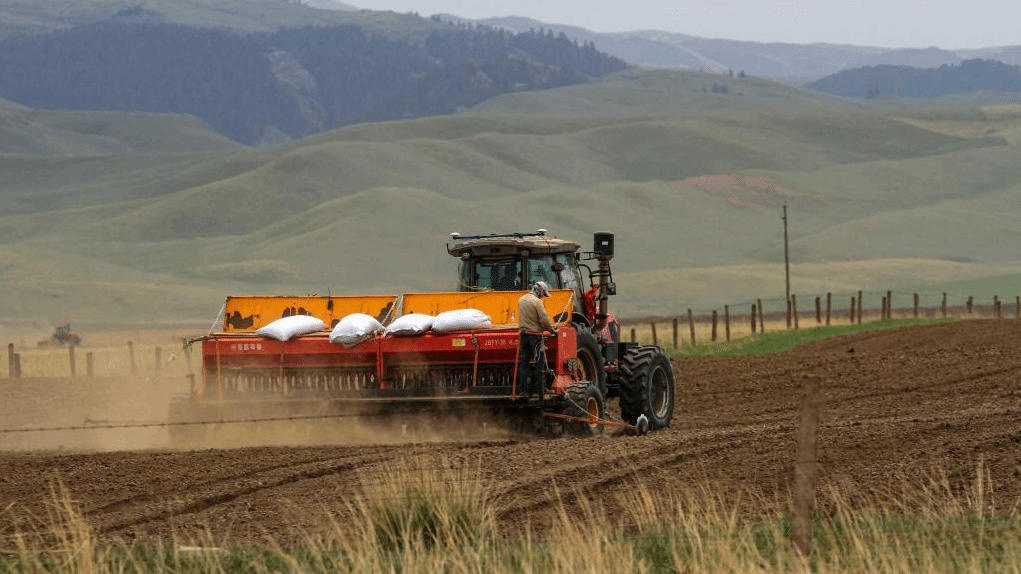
x,y
24,131
877,198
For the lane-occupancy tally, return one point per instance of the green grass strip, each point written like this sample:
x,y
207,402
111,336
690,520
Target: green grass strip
x,y
778,341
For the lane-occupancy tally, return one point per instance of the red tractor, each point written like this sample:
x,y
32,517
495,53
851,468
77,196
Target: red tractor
x,y
246,376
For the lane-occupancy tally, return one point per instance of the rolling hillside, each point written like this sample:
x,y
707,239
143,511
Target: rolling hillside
x,y
878,198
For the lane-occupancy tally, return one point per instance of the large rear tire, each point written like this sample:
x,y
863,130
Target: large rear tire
x,y
647,387
590,358
585,400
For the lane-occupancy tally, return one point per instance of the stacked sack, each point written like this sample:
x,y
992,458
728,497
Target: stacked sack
x,y
358,327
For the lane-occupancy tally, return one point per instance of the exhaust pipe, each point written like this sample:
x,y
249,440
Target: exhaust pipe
x,y
603,249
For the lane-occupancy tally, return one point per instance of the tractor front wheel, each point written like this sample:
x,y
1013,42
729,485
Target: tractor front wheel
x,y
584,400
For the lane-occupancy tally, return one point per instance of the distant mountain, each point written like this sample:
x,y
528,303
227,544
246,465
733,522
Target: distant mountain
x,y
269,87
886,80
328,5
776,59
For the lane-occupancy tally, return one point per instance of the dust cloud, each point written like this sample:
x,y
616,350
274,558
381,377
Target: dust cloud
x,y
120,414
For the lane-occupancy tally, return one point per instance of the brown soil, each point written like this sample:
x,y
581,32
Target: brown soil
x,y
897,405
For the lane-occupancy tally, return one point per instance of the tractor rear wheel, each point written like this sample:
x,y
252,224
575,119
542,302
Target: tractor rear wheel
x,y
647,386
590,358
585,400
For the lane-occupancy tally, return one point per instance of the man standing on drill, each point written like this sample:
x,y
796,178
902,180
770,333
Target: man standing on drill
x,y
533,322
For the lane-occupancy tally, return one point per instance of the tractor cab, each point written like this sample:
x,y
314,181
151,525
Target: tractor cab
x,y
516,261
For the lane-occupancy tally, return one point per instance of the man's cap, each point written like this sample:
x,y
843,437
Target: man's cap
x,y
540,289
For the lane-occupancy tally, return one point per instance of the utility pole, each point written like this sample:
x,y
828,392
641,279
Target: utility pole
x,y
787,264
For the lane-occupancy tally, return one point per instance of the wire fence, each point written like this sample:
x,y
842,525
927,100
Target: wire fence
x,y
746,318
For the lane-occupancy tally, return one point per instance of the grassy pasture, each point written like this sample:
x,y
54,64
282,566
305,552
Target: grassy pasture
x,y
412,521
366,209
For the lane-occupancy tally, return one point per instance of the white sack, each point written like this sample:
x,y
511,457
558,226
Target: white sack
x,y
354,329
287,327
460,319
410,324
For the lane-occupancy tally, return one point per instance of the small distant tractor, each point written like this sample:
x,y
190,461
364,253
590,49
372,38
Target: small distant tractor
x,y
62,336
248,376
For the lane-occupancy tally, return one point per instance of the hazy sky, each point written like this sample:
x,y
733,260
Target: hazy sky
x,y
887,23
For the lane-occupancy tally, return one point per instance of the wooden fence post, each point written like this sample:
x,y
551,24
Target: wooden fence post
x,y
131,357
794,310
186,347
829,305
691,326
754,317
859,306
788,313
726,320
655,340
89,364
818,310
996,306
159,361
10,359
806,468
762,322
970,305
634,338
675,332
715,321
917,302
70,357
852,309
889,304
943,307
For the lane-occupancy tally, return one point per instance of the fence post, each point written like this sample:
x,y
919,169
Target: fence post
x,y
89,364
655,339
10,358
806,468
970,305
859,306
131,357
715,321
788,313
889,304
794,310
917,301
754,317
829,305
675,332
818,310
691,326
762,322
159,361
70,356
852,309
726,320
996,306
186,347
943,307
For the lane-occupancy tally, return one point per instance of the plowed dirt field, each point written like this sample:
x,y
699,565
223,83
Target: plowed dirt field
x,y
897,405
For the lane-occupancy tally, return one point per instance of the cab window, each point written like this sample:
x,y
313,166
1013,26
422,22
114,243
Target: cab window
x,y
479,275
541,269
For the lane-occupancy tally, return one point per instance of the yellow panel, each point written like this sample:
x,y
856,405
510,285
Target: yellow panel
x,y
501,306
252,312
